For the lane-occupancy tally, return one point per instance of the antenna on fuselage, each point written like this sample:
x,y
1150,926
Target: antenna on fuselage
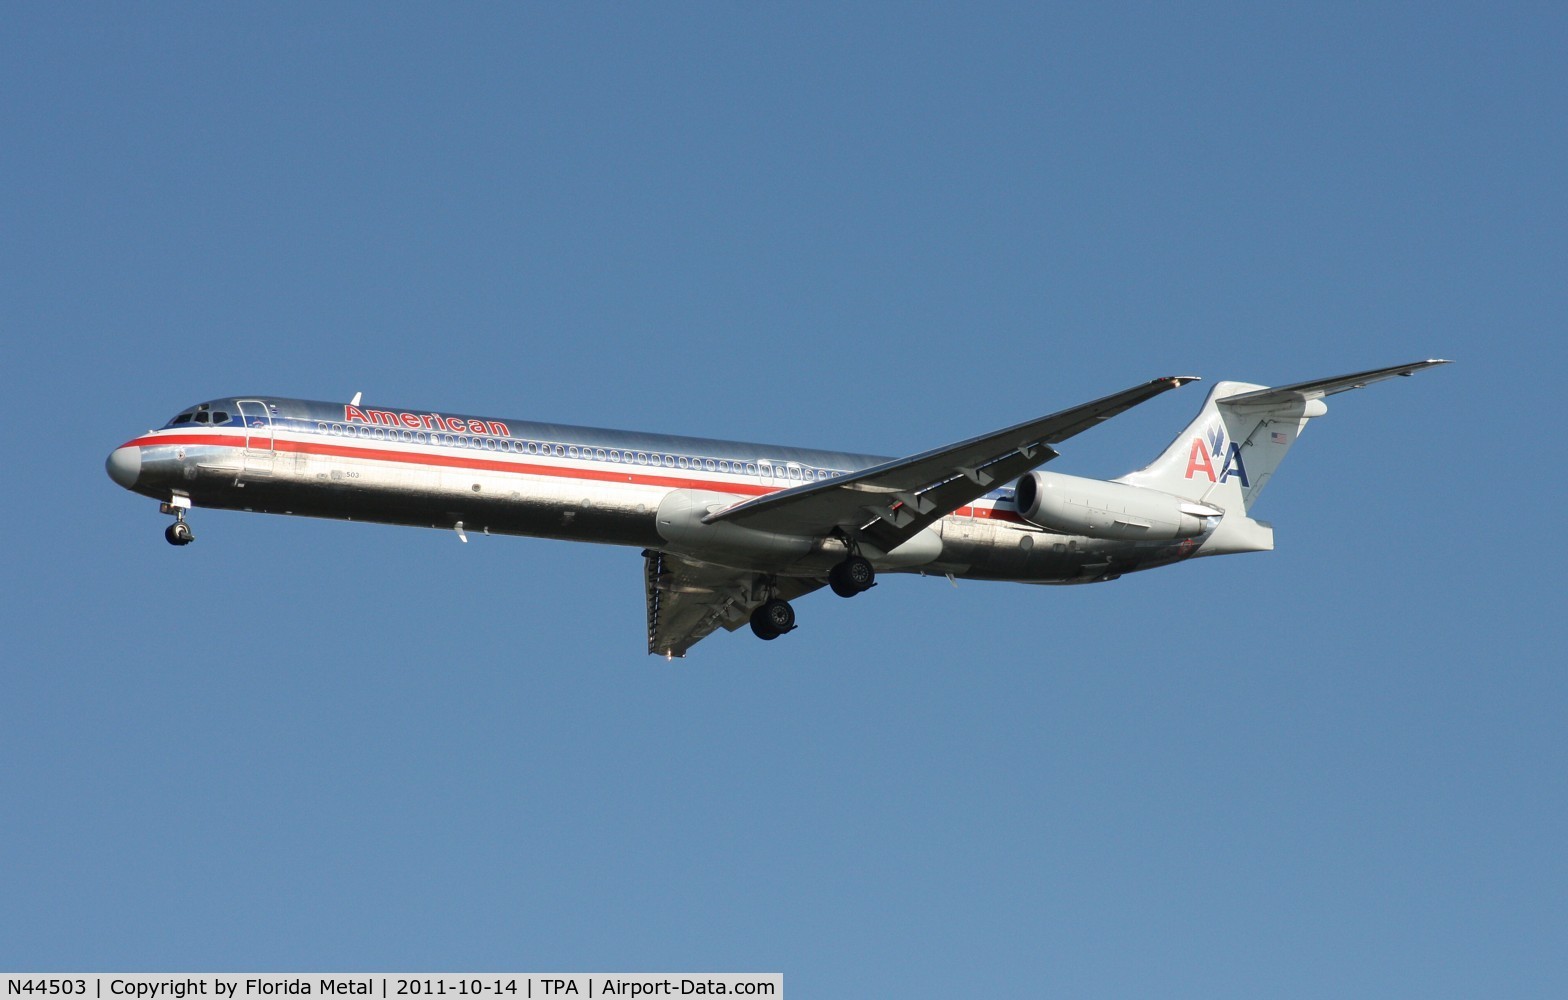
x,y
355,400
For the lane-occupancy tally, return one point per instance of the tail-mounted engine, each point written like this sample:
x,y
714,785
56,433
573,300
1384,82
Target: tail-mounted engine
x,y
1099,509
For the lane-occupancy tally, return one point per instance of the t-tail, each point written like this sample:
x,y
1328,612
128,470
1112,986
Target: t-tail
x,y
1230,452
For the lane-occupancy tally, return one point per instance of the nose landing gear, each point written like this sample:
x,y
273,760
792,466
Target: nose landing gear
x,y
178,533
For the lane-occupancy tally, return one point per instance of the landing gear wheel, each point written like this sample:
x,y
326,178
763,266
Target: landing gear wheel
x,y
179,533
772,619
852,576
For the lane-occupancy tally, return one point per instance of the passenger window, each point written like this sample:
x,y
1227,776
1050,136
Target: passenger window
x,y
321,428
380,434
751,468
710,464
642,458
599,454
489,444
669,461
571,452
794,473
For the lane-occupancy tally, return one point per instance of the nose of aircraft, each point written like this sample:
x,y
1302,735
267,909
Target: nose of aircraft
x,y
125,465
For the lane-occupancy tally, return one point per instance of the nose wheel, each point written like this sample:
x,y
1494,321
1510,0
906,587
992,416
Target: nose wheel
x,y
178,533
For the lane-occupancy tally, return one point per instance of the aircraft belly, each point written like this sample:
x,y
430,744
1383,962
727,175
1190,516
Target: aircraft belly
x,y
1027,555
406,494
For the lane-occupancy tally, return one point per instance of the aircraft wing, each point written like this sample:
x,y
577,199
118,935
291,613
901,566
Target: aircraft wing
x,y
688,600
890,503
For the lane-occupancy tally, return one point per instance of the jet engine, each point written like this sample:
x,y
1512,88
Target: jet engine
x,y
1099,509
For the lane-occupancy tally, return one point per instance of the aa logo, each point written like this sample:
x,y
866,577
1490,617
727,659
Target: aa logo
x,y
1204,453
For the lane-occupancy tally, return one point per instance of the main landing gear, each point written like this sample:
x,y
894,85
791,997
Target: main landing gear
x,y
852,576
772,619
178,533
775,616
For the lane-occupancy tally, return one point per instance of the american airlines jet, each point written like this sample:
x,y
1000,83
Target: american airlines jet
x,y
731,532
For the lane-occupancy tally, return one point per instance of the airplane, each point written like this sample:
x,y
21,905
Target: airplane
x,y
731,533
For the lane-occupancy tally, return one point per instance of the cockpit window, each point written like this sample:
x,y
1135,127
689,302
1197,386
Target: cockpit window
x,y
201,413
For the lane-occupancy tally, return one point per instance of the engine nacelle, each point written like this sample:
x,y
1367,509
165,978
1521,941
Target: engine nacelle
x,y
1099,509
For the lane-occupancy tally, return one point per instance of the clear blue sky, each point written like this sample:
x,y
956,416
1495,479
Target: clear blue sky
x,y
1336,769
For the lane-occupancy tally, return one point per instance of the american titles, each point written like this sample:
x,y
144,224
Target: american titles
x,y
424,421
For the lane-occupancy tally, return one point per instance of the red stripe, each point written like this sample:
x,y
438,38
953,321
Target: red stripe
x,y
492,465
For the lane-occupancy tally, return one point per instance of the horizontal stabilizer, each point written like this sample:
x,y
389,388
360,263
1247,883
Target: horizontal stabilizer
x,y
1326,386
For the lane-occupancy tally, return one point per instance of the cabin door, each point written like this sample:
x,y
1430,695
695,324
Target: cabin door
x,y
260,441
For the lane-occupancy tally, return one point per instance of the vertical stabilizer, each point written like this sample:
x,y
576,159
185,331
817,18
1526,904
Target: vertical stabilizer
x,y
1230,451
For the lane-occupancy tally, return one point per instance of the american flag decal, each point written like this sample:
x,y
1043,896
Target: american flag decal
x,y
1277,437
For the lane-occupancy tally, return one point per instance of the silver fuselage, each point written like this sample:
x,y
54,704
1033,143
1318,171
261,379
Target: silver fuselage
x,y
515,477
